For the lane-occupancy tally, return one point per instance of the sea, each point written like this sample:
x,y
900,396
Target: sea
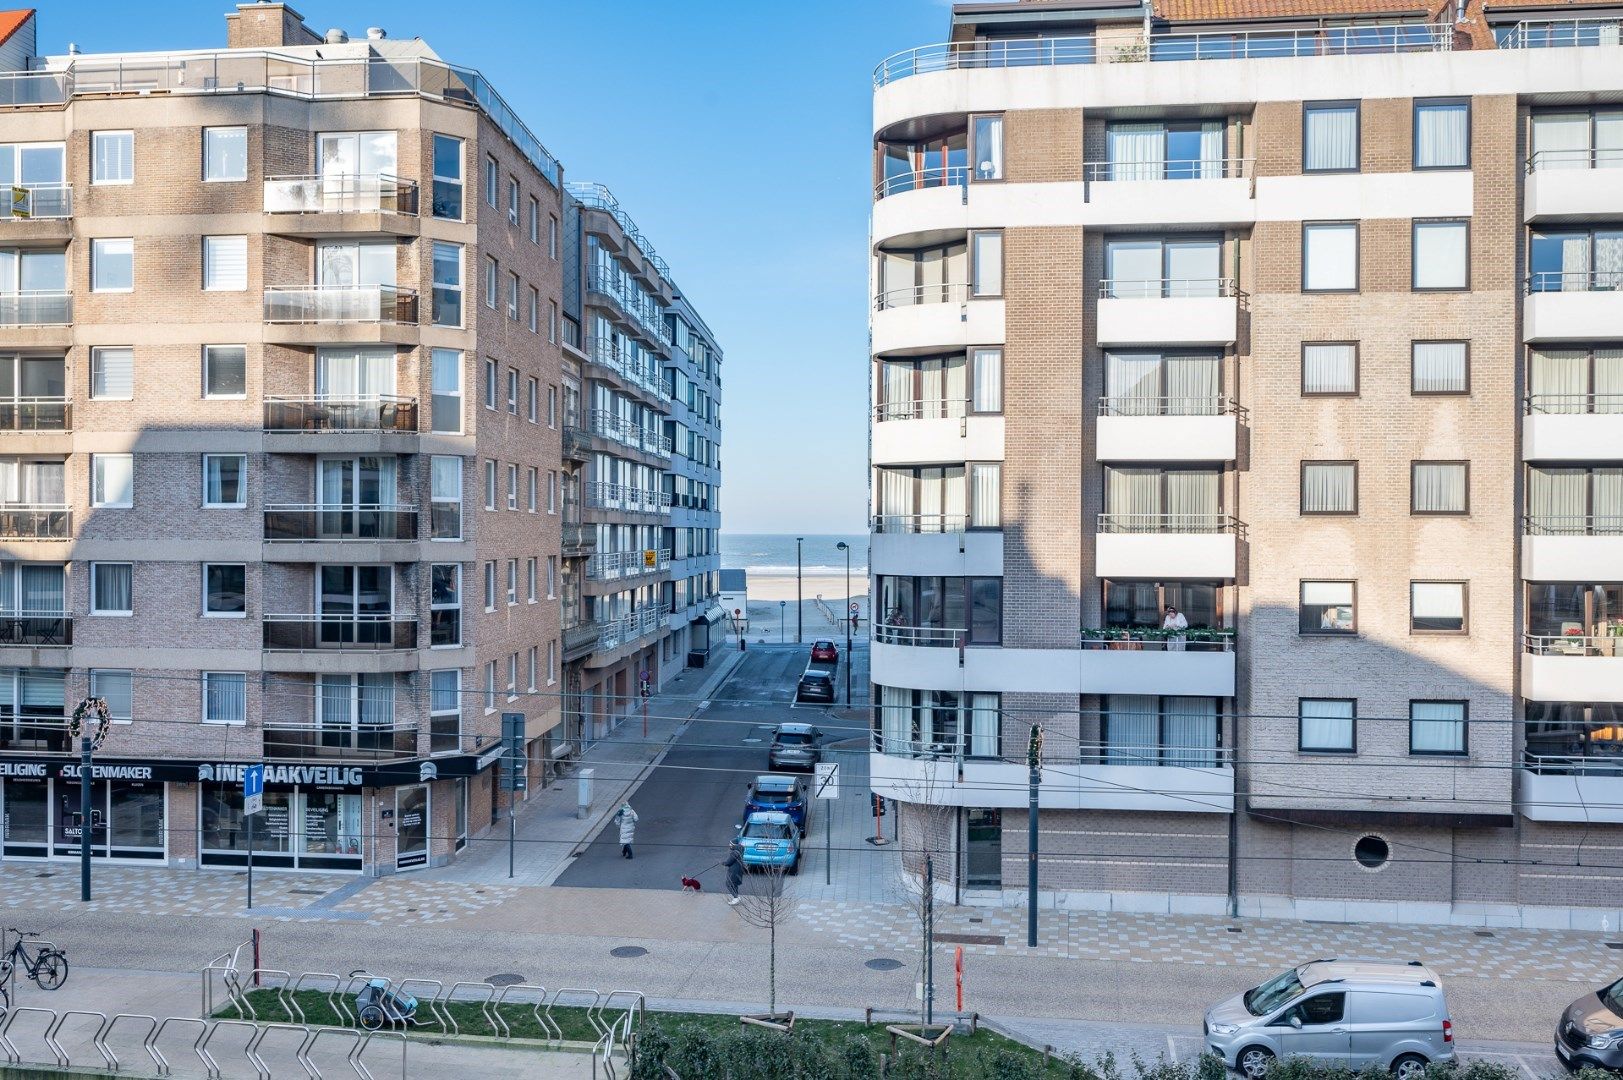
x,y
768,554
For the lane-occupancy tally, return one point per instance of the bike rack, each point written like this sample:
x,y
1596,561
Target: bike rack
x,y
13,1055
226,965
350,1033
489,992
590,1007
431,1002
546,1026
298,984
355,1055
213,1066
95,1039
252,1049
112,1058
257,976
164,1068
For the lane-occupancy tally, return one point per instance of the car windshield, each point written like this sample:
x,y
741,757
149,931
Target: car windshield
x,y
1273,993
1612,997
772,796
792,738
766,830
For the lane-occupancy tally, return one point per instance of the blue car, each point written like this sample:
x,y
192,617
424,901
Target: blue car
x,y
786,794
770,839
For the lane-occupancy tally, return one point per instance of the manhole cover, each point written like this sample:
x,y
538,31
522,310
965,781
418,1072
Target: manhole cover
x,y
1609,944
507,979
883,964
626,952
1483,933
1235,929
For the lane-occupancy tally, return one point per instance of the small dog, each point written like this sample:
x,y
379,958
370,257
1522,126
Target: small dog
x,y
690,884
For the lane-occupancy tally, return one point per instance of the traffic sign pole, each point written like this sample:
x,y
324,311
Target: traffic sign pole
x,y
513,778
828,787
253,801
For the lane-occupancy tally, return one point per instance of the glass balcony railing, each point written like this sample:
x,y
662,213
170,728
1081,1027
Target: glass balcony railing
x,y
346,633
315,521
340,304
36,308
36,414
340,193
381,413
34,734
36,628
24,521
329,742
37,202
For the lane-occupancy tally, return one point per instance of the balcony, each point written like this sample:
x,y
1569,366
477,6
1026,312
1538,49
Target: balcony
x,y
1118,660
626,498
1168,429
1172,311
1161,546
1577,306
628,433
945,316
384,413
1576,789
49,628
318,522
950,176
1179,780
20,521
1572,548
340,304
35,415
1572,427
618,565
321,742
628,629
640,309
604,354
1563,185
894,549
1562,33
37,202
578,539
931,430
36,308
340,193
342,633
35,734
581,639
1216,191
1573,666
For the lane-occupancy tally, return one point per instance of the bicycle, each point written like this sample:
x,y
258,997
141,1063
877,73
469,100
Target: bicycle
x,y
48,967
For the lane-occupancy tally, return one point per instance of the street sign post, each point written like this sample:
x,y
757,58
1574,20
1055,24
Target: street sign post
x,y
514,779
827,786
253,802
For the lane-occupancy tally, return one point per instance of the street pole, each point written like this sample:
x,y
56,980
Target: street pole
x,y
1034,750
828,850
86,779
512,832
783,635
800,600
847,549
929,939
251,861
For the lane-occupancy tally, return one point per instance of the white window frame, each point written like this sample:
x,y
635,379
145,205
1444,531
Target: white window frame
x,y
117,613
490,585
535,221
207,614
512,199
490,687
493,279
512,485
490,483
98,482
244,482
512,582
490,383
534,664
99,691
533,486
207,363
530,576
493,182
213,241
208,677
95,157
97,356
207,179
96,247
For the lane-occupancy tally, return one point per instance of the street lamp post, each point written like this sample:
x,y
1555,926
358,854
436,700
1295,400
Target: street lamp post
x,y
843,546
89,726
800,600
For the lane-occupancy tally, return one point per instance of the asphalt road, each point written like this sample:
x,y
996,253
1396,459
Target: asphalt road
x,y
689,804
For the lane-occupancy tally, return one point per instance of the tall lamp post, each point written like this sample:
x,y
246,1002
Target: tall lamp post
x,y
800,601
843,546
89,726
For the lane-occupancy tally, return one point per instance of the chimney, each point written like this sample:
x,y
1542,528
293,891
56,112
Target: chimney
x,y
267,26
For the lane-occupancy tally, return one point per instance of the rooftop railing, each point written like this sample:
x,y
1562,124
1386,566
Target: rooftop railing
x,y
1562,33
34,202
1165,288
599,197
1178,169
1168,523
340,193
1032,52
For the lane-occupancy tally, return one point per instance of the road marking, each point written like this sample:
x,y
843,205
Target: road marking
x,y
1172,1050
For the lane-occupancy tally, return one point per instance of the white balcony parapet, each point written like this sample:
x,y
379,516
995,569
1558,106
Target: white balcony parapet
x,y
1167,429
1167,545
1572,667
1204,786
1177,311
340,193
1573,427
1577,789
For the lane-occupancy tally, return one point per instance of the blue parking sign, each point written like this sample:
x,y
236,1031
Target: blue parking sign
x,y
253,789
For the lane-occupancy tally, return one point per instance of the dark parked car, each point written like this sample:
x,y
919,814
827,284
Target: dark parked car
x,y
816,685
825,651
1590,1032
786,794
795,746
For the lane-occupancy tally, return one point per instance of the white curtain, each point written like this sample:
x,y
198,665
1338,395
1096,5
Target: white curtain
x,y
930,390
225,262
42,690
1329,369
1193,268
984,729
1135,151
1132,495
111,586
1439,367
1133,267
1608,381
1608,259
1575,263
1441,603
1607,501
333,697
1442,135
1194,385
1557,499
1132,729
1439,487
364,373
1608,140
1439,254
41,588
1191,732
222,478
446,479
954,387
1331,255
1329,487
1326,724
1437,727
1192,498
895,494
1211,150
897,383
895,719
1330,138
1561,141
930,500
987,496
376,699
988,380
1558,380
989,148
1133,383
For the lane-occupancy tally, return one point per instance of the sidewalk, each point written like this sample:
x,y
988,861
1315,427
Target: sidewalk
x,y
549,830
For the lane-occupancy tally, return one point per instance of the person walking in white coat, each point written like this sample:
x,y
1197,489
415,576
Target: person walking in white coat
x,y
627,819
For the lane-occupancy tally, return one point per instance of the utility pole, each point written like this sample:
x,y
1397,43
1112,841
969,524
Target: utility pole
x,y
929,939
1034,756
90,737
800,600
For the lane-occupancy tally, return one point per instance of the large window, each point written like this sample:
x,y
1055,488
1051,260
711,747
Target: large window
x,y
1154,267
1440,367
940,498
1330,136
1440,255
1327,725
1143,729
112,480
112,373
941,387
1330,368
1562,734
1329,487
1575,260
447,177
1164,150
112,265
225,697
1574,501
986,263
447,284
1440,487
225,590
1163,384
112,157
225,153
445,498
112,588
445,605
1330,256
1163,500
1437,727
932,275
1142,605
1328,607
1578,140
986,145
225,371
1575,380
944,611
444,712
1442,133
1437,607
937,723
225,263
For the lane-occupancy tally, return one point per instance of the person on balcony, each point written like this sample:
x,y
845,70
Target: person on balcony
x,y
1174,621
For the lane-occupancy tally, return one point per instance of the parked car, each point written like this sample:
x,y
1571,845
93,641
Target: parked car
x,y
794,746
1590,1032
770,839
817,684
1349,1012
784,794
825,651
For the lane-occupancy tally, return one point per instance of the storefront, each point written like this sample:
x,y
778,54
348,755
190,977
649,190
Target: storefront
x,y
41,814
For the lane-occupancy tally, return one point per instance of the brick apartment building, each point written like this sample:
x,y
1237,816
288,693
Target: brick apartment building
x,y
281,372
1300,321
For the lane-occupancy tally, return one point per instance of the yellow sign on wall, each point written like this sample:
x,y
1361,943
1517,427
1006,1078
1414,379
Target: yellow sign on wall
x,y
649,557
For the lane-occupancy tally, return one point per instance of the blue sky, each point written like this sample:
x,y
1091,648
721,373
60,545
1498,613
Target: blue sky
x,y
736,133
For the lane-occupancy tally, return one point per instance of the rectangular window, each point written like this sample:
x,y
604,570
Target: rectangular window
x,y
1329,487
445,412
493,180
113,687
1440,487
225,263
533,310
225,481
535,221
986,269
534,665
986,385
512,391
552,235
1327,725
445,605
112,480
552,577
552,321
1440,255
445,712
1330,256
512,296
552,492
225,153
1330,368
552,406
1442,134
111,588
988,147
512,200
532,486
1328,607
490,384
225,371
512,582
112,265
512,486
112,157
512,677
490,686
225,590
1330,136
445,498
225,697
490,484
1440,367
493,277
1437,607
986,495
490,586
447,284
447,177
531,578
112,373
1437,727
532,399
552,662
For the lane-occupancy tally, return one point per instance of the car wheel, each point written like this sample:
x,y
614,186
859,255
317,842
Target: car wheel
x,y
1254,1062
1408,1067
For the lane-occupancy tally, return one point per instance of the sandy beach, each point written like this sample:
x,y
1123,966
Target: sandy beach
x,y
819,619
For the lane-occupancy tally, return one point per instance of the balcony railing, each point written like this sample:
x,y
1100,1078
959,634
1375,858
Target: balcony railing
x,y
936,637
1162,754
916,295
1168,523
1138,639
316,521
578,539
357,633
946,176
599,197
36,308
1573,765
1572,525
600,496
1562,33
642,308
340,304
1575,281
604,354
34,202
1193,405
1553,160
949,746
35,734
581,638
922,409
628,628
1165,288
382,413
611,565
1033,52
23,521
1173,169
340,193
629,433
36,414
1581,642
1570,404
921,523
322,742
36,628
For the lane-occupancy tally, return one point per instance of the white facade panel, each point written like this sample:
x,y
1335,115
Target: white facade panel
x,y
1167,438
1573,436
965,554
1572,678
966,438
1572,558
1171,320
1553,194
923,328
1064,787
1573,316
1159,556
1567,797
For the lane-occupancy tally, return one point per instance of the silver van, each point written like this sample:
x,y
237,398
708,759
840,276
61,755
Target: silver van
x,y
1347,1012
